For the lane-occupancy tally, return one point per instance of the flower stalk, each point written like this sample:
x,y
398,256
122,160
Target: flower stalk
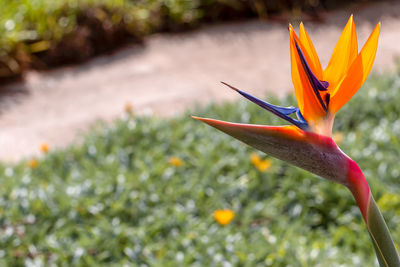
x,y
383,244
384,247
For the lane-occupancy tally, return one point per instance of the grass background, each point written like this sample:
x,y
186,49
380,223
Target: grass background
x,y
115,200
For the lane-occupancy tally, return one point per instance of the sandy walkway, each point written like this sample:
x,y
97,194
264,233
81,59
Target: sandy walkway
x,y
171,73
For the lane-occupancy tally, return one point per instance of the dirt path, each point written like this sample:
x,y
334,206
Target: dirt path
x,y
171,73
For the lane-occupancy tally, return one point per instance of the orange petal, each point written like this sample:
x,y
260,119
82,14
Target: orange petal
x,y
308,102
357,74
343,55
309,50
298,89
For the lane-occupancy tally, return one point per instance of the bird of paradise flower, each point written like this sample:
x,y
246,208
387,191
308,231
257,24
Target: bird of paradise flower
x,y
308,143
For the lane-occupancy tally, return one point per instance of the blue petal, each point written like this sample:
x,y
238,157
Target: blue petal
x,y
281,112
300,117
325,84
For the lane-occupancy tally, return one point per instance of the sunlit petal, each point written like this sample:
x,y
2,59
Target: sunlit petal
x,y
309,50
357,74
298,88
343,55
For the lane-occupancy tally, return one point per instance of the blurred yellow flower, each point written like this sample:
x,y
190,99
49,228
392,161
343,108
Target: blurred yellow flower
x,y
128,107
175,161
44,147
33,163
261,165
223,217
338,137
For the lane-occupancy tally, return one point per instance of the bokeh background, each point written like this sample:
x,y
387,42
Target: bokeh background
x,y
102,166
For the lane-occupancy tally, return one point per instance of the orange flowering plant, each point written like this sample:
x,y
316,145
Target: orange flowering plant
x,y
308,142
224,217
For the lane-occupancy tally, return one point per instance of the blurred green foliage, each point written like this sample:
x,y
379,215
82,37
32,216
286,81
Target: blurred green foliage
x,y
46,33
116,199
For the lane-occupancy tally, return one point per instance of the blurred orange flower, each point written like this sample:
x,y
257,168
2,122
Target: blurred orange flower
x,y
261,165
175,161
128,107
223,217
44,147
33,163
